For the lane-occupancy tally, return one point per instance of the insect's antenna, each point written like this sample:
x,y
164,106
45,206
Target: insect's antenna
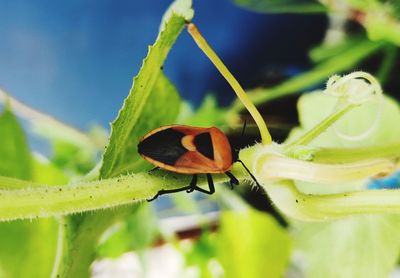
x,y
244,128
248,171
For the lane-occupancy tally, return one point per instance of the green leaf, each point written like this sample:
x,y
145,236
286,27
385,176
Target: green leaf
x,y
138,232
331,51
252,244
21,239
152,101
80,238
361,246
208,114
281,6
14,151
27,248
316,106
72,158
202,253
161,108
47,173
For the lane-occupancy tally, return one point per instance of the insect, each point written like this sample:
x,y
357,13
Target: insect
x,y
190,150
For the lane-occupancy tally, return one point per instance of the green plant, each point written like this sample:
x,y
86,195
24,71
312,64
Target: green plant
x,y
316,175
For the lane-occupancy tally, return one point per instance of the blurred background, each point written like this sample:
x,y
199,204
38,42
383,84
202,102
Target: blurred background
x,y
82,55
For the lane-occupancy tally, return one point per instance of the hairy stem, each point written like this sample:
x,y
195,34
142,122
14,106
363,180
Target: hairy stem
x,y
271,168
45,201
346,155
276,167
306,207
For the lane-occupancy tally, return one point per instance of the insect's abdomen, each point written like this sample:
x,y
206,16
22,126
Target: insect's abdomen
x,y
186,149
164,146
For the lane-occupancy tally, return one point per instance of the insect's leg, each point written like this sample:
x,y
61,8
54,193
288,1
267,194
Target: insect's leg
x,y
192,185
210,186
233,180
189,188
155,168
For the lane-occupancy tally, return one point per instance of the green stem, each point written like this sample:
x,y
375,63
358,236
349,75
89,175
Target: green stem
x,y
387,64
275,167
317,75
292,8
40,120
306,207
346,155
318,129
62,254
13,183
45,201
82,239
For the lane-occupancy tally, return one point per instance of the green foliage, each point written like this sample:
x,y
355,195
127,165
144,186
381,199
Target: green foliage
x,y
72,158
325,52
383,27
202,253
28,248
252,244
80,240
138,116
21,239
362,246
379,18
161,108
48,173
281,6
138,232
15,155
144,109
368,242
208,114
345,60
247,243
315,106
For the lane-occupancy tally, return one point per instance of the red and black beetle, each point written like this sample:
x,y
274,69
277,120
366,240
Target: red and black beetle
x,y
190,150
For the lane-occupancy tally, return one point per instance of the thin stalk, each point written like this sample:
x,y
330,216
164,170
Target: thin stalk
x,y
209,52
319,128
298,84
38,118
61,250
387,64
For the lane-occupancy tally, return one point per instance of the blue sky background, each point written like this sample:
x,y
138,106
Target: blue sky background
x,y
75,59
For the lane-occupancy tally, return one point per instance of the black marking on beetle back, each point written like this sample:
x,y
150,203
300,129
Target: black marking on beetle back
x,y
204,145
164,146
